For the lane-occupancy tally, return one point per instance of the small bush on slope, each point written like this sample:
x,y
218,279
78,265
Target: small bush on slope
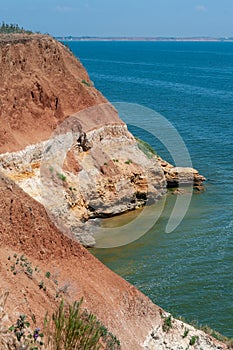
x,y
70,328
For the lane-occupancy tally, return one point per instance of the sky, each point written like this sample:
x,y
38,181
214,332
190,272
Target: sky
x,y
150,18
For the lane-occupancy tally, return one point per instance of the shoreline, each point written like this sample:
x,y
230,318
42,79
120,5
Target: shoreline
x,y
143,39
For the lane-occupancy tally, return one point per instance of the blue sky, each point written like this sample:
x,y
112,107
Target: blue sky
x,y
122,17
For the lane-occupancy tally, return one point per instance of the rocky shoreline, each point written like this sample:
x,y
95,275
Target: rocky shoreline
x,y
102,173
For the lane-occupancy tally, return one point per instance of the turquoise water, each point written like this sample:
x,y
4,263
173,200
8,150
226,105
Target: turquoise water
x,y
189,271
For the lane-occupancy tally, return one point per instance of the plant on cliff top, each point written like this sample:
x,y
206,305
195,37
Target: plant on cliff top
x,y
11,28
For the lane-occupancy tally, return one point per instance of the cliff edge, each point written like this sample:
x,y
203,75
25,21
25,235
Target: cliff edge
x,y
42,83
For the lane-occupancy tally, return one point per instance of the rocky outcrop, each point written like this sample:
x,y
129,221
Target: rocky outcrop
x,y
181,176
102,172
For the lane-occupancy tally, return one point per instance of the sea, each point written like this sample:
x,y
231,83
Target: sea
x,y
189,271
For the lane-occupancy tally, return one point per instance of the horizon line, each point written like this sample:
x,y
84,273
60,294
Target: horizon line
x,y
145,38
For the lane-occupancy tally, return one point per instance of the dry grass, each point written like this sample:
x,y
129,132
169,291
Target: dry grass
x,y
7,341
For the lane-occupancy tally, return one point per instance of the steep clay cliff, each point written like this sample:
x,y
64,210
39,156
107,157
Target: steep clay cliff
x,y
66,147
25,228
41,84
46,96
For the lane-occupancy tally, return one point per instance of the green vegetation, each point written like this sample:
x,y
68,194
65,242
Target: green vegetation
x,y
206,329
48,274
70,331
61,176
24,336
71,328
20,264
186,332
12,28
214,334
167,323
146,148
51,169
41,285
193,340
87,83
128,161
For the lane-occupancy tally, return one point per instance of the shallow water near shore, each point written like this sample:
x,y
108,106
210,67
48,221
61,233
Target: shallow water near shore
x,y
189,271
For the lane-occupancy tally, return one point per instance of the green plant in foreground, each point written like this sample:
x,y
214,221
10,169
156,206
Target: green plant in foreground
x,y
69,328
72,329
71,332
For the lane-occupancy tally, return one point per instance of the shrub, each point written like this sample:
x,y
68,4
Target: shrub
x,y
69,328
193,340
167,323
186,332
73,329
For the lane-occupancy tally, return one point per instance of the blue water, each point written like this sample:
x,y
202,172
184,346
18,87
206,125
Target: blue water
x,y
189,271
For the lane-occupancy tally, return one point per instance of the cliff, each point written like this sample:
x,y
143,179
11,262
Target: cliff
x,y
66,147
41,84
26,230
47,96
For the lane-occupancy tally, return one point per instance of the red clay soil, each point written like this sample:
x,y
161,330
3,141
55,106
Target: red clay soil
x,y
26,229
42,83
